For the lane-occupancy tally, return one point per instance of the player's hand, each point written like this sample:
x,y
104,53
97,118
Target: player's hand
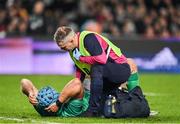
x,y
52,108
32,99
76,54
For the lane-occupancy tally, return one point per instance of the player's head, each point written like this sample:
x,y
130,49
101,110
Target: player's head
x,y
46,96
65,38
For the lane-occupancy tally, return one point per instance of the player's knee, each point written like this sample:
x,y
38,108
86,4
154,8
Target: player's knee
x,y
132,65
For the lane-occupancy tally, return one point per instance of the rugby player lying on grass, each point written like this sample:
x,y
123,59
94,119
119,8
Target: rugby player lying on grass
x,y
72,101
74,98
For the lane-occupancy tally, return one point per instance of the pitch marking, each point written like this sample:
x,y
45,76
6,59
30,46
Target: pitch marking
x,y
12,119
155,94
23,120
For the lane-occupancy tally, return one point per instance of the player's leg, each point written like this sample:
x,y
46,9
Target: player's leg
x,y
132,65
133,80
29,90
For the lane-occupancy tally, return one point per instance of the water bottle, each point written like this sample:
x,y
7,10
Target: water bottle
x,y
113,105
108,106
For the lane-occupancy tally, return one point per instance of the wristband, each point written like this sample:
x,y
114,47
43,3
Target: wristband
x,y
58,103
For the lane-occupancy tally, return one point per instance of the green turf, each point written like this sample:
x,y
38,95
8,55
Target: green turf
x,y
162,93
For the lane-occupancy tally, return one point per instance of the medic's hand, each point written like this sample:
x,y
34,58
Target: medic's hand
x,y
52,108
76,54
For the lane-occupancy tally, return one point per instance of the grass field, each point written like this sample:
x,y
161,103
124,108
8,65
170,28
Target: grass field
x,y
162,92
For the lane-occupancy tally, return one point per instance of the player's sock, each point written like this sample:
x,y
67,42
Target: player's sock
x,y
133,81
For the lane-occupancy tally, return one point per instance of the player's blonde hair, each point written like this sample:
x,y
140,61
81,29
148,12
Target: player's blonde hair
x,y
63,34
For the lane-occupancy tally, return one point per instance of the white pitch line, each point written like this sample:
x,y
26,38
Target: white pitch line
x,y
12,119
23,120
44,122
155,94
153,113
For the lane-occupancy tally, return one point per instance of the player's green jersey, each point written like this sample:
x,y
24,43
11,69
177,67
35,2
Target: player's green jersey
x,y
75,107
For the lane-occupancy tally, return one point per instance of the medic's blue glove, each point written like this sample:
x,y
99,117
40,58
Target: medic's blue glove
x,y
76,54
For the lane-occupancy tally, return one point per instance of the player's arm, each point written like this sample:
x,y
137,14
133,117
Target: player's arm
x,y
93,44
29,90
73,89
